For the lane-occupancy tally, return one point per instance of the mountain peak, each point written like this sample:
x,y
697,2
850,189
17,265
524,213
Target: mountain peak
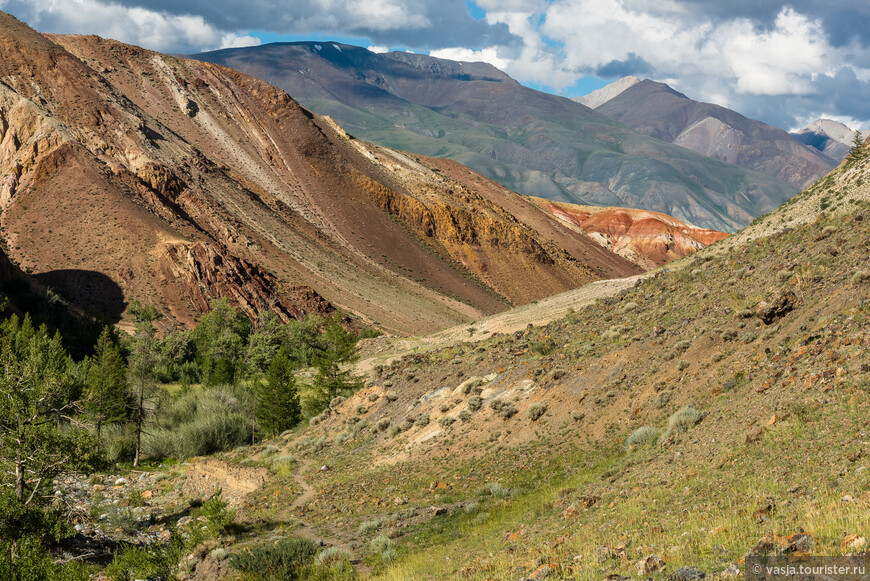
x,y
604,94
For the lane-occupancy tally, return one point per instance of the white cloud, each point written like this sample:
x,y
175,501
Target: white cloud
x,y
379,48
486,55
154,30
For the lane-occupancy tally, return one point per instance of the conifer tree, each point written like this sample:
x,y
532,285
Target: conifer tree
x,y
143,358
106,396
278,406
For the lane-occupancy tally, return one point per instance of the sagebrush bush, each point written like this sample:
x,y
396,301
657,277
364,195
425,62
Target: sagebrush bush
x,y
373,397
683,419
371,526
663,399
447,421
861,276
392,396
475,402
332,556
535,411
421,421
641,437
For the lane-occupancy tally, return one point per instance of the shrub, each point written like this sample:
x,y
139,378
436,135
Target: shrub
x,y
629,307
465,415
447,421
383,546
332,556
641,437
392,396
681,346
373,397
423,420
202,422
475,402
508,411
444,408
860,276
395,430
361,409
371,526
683,419
383,424
663,399
683,365
284,560
535,411
337,401
496,490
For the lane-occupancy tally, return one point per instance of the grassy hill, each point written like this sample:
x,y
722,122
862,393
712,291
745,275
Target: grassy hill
x,y
715,409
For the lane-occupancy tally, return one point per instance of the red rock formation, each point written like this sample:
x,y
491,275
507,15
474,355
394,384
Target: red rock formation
x,y
649,239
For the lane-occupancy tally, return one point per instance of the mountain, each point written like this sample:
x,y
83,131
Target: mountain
x,y
648,239
684,424
832,138
531,142
131,175
655,109
605,94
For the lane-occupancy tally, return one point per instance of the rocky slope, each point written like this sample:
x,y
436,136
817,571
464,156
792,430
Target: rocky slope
x,y
606,93
648,239
532,142
715,411
657,110
131,175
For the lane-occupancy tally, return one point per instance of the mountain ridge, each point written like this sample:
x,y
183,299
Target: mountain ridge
x,y
531,142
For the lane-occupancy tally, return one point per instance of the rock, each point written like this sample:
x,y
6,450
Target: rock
x,y
184,520
688,574
543,572
325,468
799,543
763,513
854,543
847,498
603,553
121,482
399,500
769,312
437,510
732,571
754,434
649,565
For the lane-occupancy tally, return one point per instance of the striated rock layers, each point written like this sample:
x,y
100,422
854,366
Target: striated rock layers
x,y
128,173
648,239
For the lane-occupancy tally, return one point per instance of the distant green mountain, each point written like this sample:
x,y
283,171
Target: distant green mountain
x,y
532,142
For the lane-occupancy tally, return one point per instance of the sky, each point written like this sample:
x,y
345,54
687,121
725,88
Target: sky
x,y
786,63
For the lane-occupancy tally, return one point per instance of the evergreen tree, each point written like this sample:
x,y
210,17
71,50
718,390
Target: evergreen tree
x,y
278,406
106,400
37,441
220,340
264,342
143,358
858,151
337,347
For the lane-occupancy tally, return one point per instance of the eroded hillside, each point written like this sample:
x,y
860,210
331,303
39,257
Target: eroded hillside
x,y
714,410
130,175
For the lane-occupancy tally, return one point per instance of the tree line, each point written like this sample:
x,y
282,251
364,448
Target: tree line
x,y
55,410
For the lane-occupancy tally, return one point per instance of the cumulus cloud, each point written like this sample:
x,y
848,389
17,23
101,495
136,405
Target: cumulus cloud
x,y
773,60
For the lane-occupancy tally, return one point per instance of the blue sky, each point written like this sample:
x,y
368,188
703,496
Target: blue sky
x,y
785,63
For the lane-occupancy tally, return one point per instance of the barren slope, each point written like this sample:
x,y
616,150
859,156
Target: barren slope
x,y
649,239
657,110
179,181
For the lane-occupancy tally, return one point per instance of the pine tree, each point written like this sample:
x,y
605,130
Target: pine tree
x,y
106,398
337,347
143,358
278,406
858,151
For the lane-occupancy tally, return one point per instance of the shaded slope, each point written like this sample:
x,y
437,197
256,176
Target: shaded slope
x,y
182,181
531,142
657,110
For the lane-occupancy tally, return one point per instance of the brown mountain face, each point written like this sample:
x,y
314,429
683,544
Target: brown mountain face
x,y
655,109
126,174
649,239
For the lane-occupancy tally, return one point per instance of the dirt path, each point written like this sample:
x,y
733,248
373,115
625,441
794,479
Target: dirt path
x,y
305,529
537,313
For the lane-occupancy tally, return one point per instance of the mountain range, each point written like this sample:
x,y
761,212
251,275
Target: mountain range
x,y
657,110
131,175
531,142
